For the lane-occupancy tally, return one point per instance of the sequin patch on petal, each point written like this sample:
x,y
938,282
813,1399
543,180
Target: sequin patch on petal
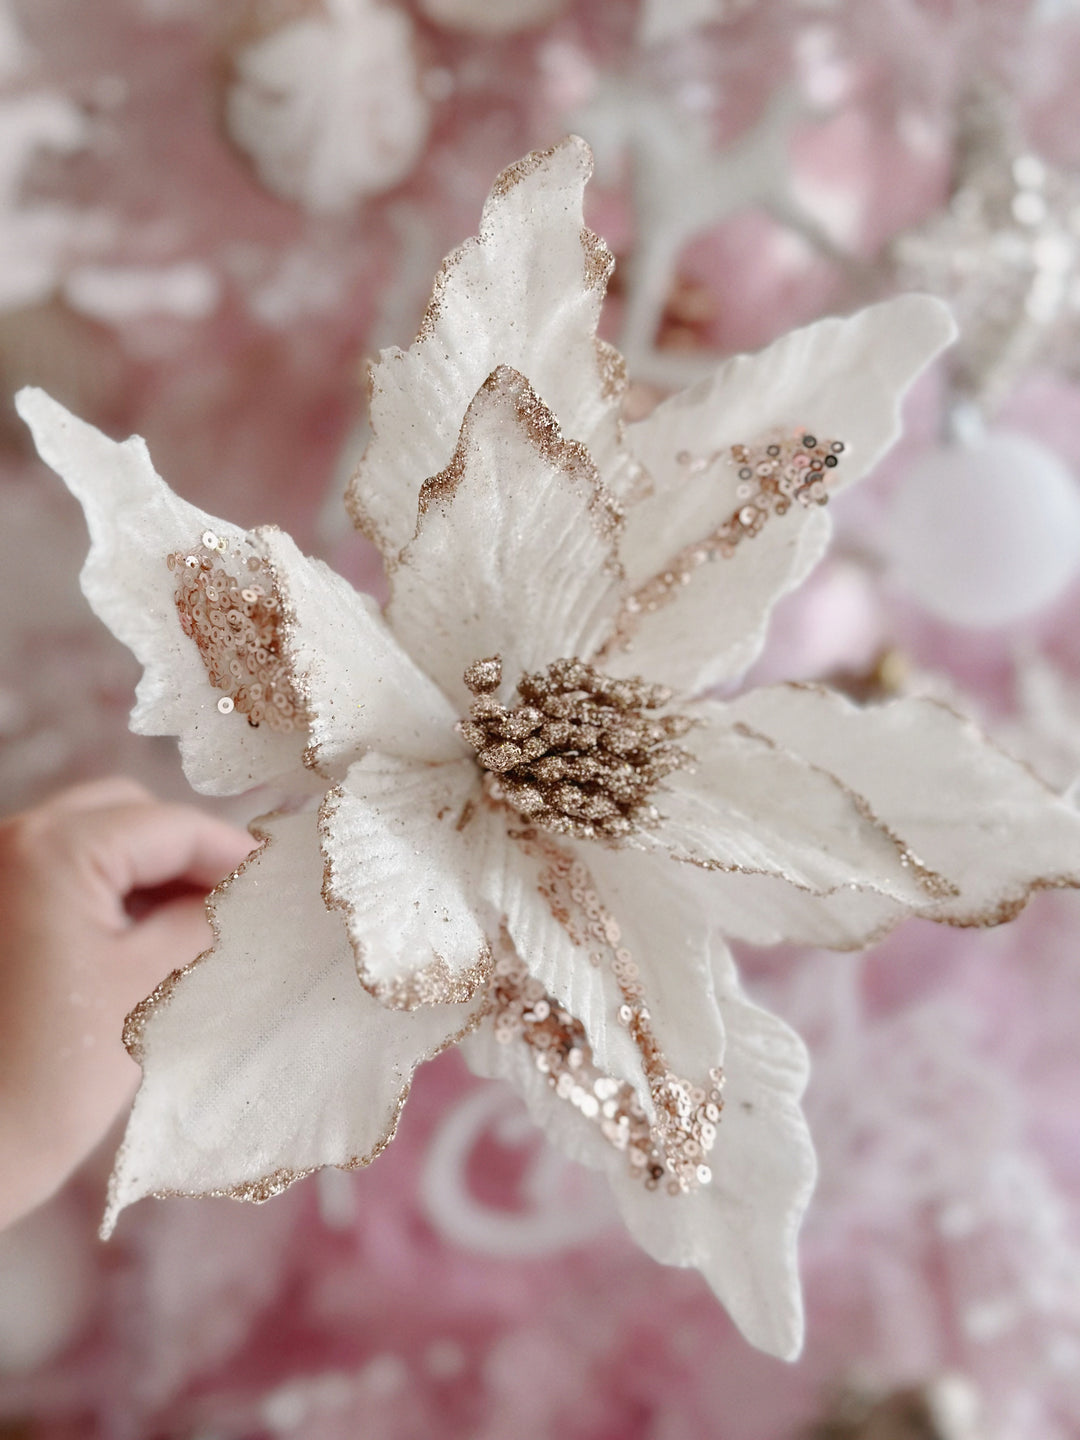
x,y
524,1013
236,623
771,476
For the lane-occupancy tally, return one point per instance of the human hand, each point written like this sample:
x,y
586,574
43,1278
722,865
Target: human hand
x,y
101,897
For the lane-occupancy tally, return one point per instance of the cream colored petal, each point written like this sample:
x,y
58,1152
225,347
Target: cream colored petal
x,y
135,523
973,814
765,910
550,930
740,1229
713,626
514,548
605,929
525,292
839,380
748,804
266,1059
361,690
664,923
408,850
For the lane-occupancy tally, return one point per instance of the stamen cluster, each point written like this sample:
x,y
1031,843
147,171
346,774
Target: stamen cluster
x,y
580,754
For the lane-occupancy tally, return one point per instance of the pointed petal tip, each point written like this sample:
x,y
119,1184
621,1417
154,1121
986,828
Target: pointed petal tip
x,y
778,1330
569,162
120,1196
926,318
774,1324
55,429
35,405
791,1348
582,148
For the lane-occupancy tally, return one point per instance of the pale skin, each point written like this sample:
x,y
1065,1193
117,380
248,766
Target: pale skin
x,y
101,897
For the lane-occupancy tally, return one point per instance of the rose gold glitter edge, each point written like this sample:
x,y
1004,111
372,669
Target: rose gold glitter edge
x,y
596,257
569,457
434,983
264,1187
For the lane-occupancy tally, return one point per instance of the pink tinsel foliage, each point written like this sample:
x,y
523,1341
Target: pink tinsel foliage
x,y
945,1233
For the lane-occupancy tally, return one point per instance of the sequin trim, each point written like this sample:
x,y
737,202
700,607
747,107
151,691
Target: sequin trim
x,y
771,476
237,625
673,1147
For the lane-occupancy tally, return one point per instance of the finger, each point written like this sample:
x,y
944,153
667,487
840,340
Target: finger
x,y
140,903
171,937
109,792
136,847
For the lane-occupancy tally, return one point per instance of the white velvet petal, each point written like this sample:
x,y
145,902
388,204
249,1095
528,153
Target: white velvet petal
x,y
740,1230
525,292
361,690
840,379
553,950
714,626
135,522
408,851
514,549
749,804
972,813
765,910
266,1058
664,922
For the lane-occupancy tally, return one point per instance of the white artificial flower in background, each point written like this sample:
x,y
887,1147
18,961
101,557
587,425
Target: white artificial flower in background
x,y
329,106
481,17
37,238
519,821
667,20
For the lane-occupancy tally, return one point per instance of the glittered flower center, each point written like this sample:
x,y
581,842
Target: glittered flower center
x,y
581,752
236,625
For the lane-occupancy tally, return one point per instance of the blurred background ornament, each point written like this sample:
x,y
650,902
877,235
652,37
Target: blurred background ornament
x,y
682,183
329,105
946,1409
36,235
1004,253
482,17
942,1410
663,20
986,531
553,1206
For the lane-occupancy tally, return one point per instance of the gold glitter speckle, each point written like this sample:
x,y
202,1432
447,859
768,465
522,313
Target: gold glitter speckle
x,y
599,260
568,456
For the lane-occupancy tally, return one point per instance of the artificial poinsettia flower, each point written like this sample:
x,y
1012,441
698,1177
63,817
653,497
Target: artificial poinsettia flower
x,y
535,827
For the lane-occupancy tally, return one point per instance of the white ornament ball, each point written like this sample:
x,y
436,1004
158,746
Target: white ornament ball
x,y
987,533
